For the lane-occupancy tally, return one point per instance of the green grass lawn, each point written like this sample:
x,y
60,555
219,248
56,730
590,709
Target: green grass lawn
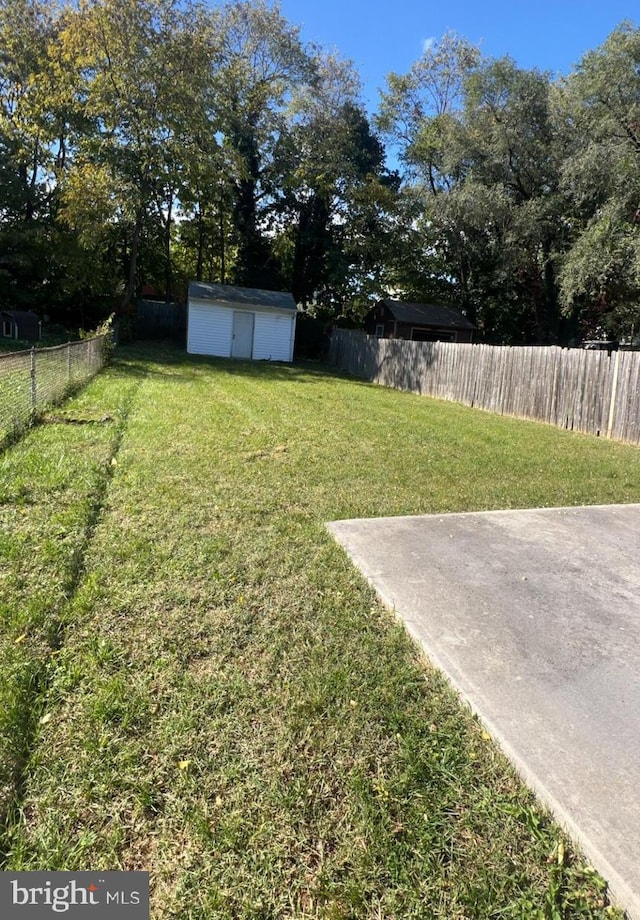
x,y
10,345
47,340
197,682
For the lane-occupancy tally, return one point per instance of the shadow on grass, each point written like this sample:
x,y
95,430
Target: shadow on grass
x,y
139,359
17,431
36,677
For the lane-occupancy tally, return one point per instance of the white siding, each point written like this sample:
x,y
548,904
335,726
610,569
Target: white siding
x,y
273,337
209,330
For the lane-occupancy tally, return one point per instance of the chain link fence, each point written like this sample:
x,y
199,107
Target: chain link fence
x,y
30,381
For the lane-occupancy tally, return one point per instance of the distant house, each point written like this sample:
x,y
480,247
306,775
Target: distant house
x,y
420,322
19,324
236,322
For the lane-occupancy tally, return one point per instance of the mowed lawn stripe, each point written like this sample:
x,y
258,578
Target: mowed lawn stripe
x,y
52,483
232,709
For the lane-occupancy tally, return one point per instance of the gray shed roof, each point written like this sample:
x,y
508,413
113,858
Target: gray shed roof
x,y
229,294
427,314
21,315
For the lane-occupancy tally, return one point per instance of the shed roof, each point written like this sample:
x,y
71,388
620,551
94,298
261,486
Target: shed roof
x,y
427,314
21,315
226,293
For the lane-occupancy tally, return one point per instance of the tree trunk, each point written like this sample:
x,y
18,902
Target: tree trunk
x,y
253,265
223,267
200,255
130,289
551,299
467,304
168,274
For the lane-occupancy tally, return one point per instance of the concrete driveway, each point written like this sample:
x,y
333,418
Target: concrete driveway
x,y
535,618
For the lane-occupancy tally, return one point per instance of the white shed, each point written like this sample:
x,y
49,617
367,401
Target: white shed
x,y
235,322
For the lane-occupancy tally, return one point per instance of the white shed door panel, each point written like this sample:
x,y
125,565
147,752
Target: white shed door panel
x,y
273,338
209,330
242,337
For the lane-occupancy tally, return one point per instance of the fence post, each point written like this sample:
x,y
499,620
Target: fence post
x,y
33,379
614,393
68,362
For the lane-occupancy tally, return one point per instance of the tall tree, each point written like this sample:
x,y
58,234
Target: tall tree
x,y
260,63
329,185
417,108
28,150
483,187
511,142
420,116
600,278
138,63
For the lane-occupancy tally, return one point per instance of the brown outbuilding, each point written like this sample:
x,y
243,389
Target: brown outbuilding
x,y
419,322
19,324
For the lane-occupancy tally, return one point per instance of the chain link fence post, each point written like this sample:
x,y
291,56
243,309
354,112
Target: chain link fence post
x,y
34,392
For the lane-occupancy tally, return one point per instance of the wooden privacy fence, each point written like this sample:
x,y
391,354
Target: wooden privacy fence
x,y
155,319
573,388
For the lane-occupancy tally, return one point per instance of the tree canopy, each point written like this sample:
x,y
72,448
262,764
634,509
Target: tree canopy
x,y
147,142
520,192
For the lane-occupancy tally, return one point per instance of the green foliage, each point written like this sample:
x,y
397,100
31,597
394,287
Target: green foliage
x,y
148,142
600,278
27,154
106,329
483,186
155,141
521,193
261,61
335,192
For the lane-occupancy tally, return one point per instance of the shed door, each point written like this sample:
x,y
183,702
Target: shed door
x,y
242,337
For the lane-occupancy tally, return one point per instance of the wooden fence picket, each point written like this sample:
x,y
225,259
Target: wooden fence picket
x,y
572,388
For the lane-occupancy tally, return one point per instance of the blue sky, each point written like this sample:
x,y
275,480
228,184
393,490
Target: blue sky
x,y
381,37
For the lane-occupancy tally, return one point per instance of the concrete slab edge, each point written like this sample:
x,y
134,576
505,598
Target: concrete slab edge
x,y
468,514
619,892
